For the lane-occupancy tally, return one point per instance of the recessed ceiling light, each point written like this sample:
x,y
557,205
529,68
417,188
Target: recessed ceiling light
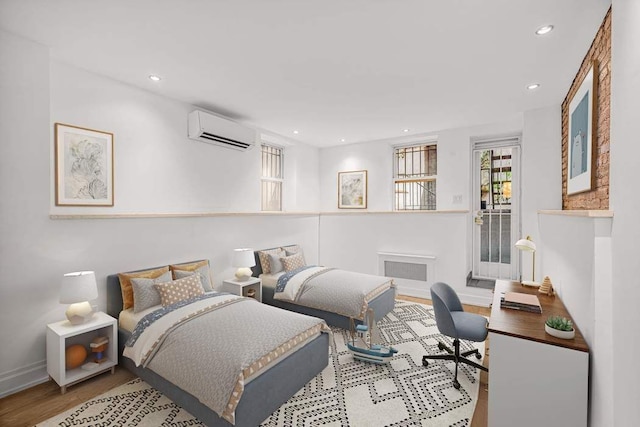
x,y
546,29
154,78
533,86
342,140
295,132
405,130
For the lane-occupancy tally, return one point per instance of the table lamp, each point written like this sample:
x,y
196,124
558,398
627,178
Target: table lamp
x,y
77,289
528,246
243,259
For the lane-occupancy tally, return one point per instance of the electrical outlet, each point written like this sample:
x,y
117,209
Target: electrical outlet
x,y
457,199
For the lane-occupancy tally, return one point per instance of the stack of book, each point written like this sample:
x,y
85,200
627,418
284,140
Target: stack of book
x,y
520,301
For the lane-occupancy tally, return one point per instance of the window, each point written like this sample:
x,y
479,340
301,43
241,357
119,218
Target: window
x,y
272,177
415,170
495,178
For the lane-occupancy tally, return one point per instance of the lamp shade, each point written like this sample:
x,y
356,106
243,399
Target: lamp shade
x,y
78,287
526,245
243,258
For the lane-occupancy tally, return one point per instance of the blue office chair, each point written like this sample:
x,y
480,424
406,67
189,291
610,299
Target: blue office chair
x,y
452,321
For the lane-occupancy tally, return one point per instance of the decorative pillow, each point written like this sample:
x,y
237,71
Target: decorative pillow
x,y
144,294
127,289
293,262
201,267
264,258
275,264
181,274
179,290
292,249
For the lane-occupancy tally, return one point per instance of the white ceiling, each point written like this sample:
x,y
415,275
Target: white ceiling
x,y
355,69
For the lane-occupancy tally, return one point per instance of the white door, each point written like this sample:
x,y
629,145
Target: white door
x,y
496,210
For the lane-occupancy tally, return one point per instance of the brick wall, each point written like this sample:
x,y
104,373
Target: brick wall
x,y
598,197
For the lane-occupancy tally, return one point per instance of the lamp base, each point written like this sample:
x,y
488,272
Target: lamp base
x,y
530,283
243,273
79,313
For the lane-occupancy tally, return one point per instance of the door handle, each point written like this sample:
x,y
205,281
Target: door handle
x,y
478,218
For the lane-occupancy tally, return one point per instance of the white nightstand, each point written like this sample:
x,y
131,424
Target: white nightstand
x,y
244,288
61,335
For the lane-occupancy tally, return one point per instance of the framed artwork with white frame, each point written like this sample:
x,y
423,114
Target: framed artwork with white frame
x,y
83,166
582,134
352,190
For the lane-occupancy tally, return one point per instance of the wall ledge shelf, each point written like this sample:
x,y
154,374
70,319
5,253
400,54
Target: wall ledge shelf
x,y
579,213
413,212
147,215
174,215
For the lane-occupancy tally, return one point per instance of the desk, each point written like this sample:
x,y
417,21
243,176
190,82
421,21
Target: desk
x,y
535,379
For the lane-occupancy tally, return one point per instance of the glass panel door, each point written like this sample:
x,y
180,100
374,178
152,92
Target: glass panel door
x,y
496,212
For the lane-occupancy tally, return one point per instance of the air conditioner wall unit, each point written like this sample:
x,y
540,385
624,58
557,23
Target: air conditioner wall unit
x,y
212,129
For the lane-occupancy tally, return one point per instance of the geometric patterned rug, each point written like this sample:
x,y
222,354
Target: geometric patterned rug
x,y
346,393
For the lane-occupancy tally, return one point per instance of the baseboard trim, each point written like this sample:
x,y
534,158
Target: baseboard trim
x,y
413,292
471,299
22,378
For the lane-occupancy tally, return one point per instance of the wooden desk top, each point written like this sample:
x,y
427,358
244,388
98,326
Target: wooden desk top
x,y
530,326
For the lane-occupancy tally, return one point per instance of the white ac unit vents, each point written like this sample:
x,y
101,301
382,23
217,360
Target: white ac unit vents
x,y
209,128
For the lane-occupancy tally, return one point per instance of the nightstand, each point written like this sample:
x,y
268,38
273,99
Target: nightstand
x,y
63,334
251,287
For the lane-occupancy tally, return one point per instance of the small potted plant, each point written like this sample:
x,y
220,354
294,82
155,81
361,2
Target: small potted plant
x,y
560,327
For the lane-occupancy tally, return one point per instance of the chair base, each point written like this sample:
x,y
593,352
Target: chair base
x,y
457,357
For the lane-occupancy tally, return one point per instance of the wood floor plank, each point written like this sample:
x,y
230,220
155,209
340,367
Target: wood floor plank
x,y
39,403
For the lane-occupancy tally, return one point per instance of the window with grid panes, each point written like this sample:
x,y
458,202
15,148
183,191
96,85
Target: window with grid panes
x,y
415,172
272,177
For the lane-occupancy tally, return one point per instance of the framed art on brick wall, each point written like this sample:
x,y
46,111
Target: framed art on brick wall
x,y
83,166
582,134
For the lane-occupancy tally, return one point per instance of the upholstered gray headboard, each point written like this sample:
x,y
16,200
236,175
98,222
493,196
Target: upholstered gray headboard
x,y
256,270
114,293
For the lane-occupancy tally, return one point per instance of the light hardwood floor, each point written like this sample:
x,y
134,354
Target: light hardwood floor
x,y
43,401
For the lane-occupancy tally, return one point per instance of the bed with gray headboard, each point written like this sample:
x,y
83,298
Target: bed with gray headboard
x,y
381,304
262,395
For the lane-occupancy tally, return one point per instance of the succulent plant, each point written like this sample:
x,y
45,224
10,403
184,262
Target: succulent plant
x,y
560,323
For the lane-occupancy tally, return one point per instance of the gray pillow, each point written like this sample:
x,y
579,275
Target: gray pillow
x,y
275,263
145,294
203,272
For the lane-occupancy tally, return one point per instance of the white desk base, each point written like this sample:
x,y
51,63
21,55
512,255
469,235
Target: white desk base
x,y
535,384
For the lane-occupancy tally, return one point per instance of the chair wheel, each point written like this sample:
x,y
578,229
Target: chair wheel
x,y
425,362
440,346
478,356
456,384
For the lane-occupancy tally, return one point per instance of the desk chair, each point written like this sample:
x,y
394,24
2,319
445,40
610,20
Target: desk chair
x,y
455,323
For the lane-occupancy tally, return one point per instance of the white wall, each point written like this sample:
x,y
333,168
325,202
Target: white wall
x,y
625,202
353,239
541,177
24,205
157,170
454,166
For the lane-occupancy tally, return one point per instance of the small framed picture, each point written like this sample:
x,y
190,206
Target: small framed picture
x,y
83,166
582,134
352,190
